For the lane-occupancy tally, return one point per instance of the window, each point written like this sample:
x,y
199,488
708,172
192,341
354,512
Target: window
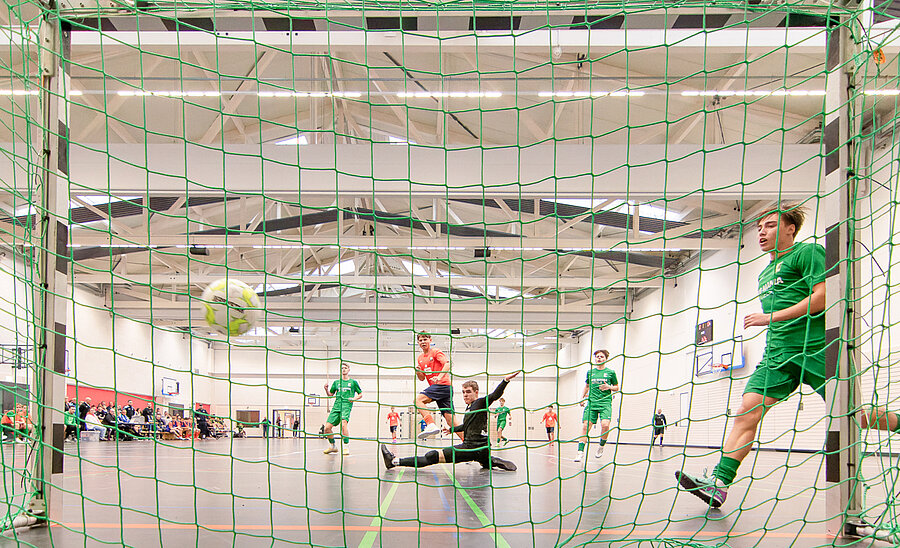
x,y
247,417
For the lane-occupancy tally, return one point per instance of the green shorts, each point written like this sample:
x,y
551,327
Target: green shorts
x,y
594,411
501,424
339,414
782,371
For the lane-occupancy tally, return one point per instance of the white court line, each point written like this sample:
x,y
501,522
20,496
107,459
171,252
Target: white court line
x,y
291,453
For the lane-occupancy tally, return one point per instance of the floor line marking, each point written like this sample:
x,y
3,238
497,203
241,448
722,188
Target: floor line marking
x,y
446,503
479,513
369,537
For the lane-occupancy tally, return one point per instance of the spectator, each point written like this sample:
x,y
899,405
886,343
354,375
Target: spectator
x,y
129,410
239,431
23,422
126,424
117,423
296,428
149,422
71,421
265,426
147,412
83,409
175,426
8,425
202,421
218,427
91,422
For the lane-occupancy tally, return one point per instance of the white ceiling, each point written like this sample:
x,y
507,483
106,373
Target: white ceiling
x,y
345,88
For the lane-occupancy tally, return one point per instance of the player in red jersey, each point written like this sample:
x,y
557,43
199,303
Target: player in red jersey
x,y
550,419
433,366
393,419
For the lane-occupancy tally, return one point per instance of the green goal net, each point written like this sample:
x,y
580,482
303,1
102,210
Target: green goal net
x,y
209,208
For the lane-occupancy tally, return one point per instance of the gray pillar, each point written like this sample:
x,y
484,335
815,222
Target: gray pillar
x,y
53,267
842,500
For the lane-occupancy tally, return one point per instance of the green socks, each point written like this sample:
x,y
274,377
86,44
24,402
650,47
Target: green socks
x,y
346,440
581,446
726,470
602,442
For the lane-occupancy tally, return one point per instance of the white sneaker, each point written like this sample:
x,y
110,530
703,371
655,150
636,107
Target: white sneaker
x,y
430,431
346,451
330,449
599,452
579,456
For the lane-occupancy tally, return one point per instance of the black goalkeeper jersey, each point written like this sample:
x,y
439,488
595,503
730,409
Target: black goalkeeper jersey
x,y
474,425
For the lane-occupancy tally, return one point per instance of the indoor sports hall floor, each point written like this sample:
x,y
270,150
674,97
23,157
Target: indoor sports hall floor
x,y
247,492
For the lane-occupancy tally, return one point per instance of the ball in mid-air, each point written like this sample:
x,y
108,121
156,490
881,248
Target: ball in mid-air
x,y
230,306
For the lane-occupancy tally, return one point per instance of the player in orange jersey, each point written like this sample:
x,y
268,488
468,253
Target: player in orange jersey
x,y
550,419
393,420
433,366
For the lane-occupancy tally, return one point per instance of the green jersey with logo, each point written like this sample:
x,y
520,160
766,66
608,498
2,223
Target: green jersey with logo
x,y
502,413
343,390
786,281
70,419
595,378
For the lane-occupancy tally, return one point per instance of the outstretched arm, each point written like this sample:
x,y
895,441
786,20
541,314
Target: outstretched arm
x,y
498,391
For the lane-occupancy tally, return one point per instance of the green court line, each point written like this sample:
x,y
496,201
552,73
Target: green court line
x,y
369,539
479,513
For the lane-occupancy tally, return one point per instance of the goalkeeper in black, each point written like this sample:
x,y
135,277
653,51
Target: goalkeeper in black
x,y
476,446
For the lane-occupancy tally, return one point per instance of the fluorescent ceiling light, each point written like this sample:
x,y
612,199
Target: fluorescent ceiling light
x,y
274,287
889,92
343,267
288,94
753,93
18,92
595,93
399,141
102,199
415,268
443,94
517,248
299,139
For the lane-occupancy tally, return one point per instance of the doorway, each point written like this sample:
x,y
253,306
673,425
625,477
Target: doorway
x,y
289,427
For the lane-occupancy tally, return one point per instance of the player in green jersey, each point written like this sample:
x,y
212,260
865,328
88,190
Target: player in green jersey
x,y
597,398
792,295
502,413
345,391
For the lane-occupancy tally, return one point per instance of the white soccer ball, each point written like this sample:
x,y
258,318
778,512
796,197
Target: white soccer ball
x,y
230,306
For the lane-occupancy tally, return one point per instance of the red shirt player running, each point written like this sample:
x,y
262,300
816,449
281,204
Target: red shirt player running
x,y
433,366
550,419
393,420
